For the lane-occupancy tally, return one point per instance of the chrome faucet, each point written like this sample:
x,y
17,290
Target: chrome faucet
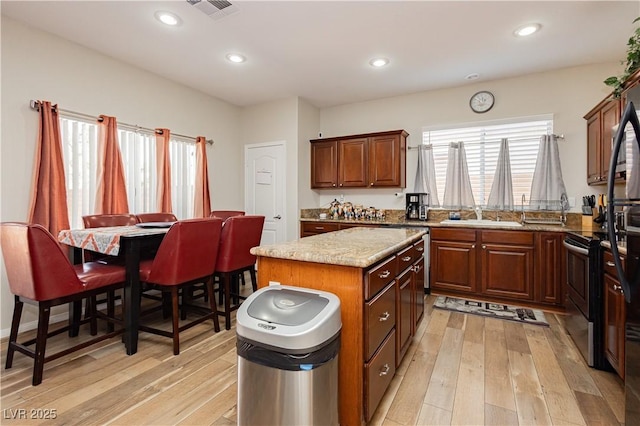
x,y
478,212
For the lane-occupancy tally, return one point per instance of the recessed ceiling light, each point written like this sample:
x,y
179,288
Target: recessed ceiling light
x,y
472,76
378,62
527,30
236,58
167,18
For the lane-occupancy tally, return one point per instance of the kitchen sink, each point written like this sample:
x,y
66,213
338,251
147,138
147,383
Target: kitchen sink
x,y
482,222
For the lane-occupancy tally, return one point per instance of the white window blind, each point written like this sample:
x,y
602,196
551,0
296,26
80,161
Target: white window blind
x,y
138,150
482,144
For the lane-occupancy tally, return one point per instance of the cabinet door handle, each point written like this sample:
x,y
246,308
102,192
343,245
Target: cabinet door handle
x,y
371,184
334,184
419,248
384,317
617,287
484,247
610,263
473,246
406,258
417,268
384,370
384,275
319,228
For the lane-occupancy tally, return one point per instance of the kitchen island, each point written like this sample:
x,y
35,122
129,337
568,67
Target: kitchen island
x,y
378,276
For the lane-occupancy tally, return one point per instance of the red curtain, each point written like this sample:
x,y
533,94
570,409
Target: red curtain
x,y
202,205
111,197
163,167
48,205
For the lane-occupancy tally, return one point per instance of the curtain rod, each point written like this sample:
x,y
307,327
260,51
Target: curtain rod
x,y
561,136
35,105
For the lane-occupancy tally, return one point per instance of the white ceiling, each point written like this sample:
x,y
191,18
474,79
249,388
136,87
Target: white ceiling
x,y
320,50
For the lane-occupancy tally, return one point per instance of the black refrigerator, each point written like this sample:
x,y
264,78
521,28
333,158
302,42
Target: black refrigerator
x,y
627,139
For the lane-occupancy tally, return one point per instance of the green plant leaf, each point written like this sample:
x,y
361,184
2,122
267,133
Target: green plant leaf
x,y
611,81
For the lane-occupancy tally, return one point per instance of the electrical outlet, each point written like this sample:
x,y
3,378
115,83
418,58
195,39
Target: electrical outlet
x,y
342,198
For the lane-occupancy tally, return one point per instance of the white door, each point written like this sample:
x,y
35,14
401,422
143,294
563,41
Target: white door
x,y
265,181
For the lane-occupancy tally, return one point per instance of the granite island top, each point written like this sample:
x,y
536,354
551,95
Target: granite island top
x,y
358,247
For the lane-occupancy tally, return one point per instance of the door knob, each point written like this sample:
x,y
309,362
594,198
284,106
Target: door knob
x,y
277,217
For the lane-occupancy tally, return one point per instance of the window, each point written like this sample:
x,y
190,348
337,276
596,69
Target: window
x,y
482,144
138,149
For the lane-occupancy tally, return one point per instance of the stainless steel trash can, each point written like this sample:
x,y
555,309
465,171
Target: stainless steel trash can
x,y
288,340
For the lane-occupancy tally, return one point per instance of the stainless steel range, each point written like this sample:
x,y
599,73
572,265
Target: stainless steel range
x,y
584,296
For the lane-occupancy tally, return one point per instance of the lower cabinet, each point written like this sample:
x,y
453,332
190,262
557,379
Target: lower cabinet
x,y
501,264
614,316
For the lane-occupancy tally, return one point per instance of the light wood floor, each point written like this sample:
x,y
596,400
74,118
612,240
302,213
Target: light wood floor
x,y
460,369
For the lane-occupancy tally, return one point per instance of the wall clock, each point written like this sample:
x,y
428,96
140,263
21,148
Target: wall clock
x,y
482,101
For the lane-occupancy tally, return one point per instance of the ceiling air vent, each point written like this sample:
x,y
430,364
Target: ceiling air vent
x,y
215,9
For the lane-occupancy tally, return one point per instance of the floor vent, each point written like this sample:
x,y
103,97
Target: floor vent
x,y
215,9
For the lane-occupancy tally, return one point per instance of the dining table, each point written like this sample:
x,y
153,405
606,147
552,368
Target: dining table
x,y
129,243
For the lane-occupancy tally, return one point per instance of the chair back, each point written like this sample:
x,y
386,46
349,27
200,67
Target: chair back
x,y
156,217
225,214
239,235
188,252
102,220
37,268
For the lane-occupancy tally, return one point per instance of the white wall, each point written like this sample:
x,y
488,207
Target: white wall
x,y
568,94
273,122
36,65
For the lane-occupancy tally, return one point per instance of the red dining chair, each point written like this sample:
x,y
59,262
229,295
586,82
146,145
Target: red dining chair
x,y
226,214
40,274
239,235
103,220
186,256
156,217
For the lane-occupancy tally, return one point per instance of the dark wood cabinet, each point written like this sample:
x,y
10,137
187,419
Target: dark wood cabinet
x,y
507,270
360,161
324,167
499,264
418,293
453,260
318,227
600,122
550,264
404,298
614,316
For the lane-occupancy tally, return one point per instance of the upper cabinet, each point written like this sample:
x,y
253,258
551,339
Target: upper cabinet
x,y
371,160
600,122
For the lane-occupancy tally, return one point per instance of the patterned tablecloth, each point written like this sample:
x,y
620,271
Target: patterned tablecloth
x,y
103,240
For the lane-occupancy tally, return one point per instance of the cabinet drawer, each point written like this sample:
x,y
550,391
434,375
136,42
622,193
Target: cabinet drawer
x,y
377,278
410,255
378,374
319,227
379,319
450,234
609,266
524,238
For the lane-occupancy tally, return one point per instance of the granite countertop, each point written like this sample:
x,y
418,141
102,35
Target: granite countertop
x,y
358,247
437,224
622,246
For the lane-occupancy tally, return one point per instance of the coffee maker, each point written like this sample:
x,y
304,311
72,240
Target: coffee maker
x,y
417,206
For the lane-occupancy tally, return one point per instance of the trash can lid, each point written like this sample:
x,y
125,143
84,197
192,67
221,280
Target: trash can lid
x,y
287,307
289,317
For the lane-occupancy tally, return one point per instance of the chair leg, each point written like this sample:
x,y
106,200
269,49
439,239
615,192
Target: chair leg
x,y
212,305
13,336
166,305
225,281
254,281
91,313
221,291
75,317
175,316
111,309
187,298
41,343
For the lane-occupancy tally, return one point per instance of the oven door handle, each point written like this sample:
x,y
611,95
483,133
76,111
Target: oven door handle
x,y
571,247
